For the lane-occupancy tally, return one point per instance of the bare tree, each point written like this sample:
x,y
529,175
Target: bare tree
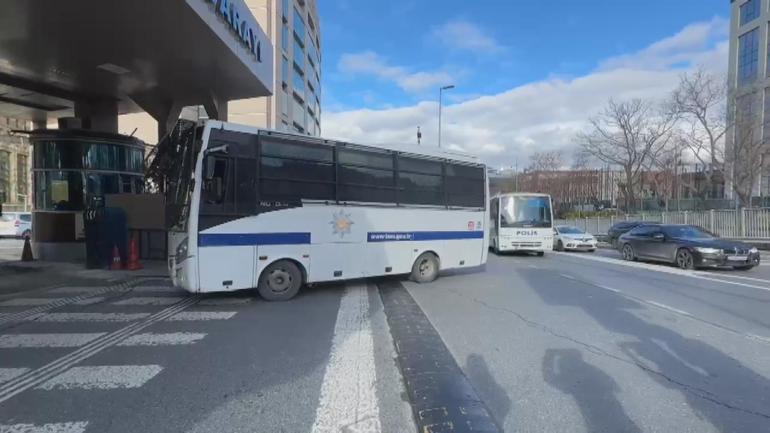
x,y
747,151
700,103
628,134
581,160
546,161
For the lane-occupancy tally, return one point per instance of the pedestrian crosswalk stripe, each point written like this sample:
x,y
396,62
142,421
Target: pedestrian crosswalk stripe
x,y
103,377
28,302
14,341
91,317
73,289
89,301
202,315
7,374
157,301
157,289
150,339
224,301
64,427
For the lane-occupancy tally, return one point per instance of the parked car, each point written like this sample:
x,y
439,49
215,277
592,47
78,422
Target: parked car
x,y
618,229
16,224
573,239
686,246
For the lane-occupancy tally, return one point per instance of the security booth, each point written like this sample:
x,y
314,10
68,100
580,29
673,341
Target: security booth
x,y
71,169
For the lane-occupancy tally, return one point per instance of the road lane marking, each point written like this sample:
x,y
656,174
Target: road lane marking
x,y
171,339
18,341
569,277
608,288
91,317
28,302
221,302
41,375
666,307
152,301
663,269
533,266
63,427
72,289
90,301
201,315
758,337
7,374
710,275
348,399
103,377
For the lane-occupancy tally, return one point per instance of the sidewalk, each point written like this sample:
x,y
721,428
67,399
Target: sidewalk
x,y
20,276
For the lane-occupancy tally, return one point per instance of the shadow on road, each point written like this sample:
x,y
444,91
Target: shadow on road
x,y
495,396
718,387
593,390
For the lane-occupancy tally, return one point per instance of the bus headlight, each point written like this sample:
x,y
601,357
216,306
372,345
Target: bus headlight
x,y
181,251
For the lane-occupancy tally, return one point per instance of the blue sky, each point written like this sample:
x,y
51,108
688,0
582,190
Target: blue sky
x,y
384,61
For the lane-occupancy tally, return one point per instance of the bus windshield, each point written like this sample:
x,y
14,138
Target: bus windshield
x,y
523,211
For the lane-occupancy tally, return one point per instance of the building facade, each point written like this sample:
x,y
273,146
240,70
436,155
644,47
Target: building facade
x,y
294,28
14,166
747,144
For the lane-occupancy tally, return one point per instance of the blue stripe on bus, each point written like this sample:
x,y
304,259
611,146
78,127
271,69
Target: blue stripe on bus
x,y
250,239
423,236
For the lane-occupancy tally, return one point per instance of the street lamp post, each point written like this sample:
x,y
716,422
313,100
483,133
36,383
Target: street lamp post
x,y
440,106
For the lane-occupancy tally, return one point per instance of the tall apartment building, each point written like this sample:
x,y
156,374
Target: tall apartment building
x,y
14,165
294,29
748,98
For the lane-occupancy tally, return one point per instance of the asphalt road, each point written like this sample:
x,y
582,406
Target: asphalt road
x,y
564,343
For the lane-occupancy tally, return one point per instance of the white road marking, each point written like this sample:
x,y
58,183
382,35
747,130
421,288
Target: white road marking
x,y
666,307
172,339
7,374
608,288
15,341
63,427
28,302
201,315
103,377
758,337
569,277
533,266
348,400
741,277
73,289
225,301
42,374
157,301
91,317
90,301
665,270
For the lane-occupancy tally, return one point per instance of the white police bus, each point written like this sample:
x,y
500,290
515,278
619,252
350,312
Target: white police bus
x,y
273,211
521,222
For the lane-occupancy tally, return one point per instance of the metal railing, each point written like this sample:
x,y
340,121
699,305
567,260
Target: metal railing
x,y
752,223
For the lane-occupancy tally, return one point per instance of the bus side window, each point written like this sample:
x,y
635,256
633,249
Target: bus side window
x,y
216,179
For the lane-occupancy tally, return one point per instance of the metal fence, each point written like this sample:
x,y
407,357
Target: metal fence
x,y
751,223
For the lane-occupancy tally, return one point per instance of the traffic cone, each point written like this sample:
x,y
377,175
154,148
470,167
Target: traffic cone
x,y
116,263
133,256
26,253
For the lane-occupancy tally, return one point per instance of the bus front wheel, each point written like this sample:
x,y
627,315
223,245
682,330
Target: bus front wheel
x,y
425,268
280,281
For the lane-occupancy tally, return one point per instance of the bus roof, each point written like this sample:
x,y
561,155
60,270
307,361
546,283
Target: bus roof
x,y
521,194
409,149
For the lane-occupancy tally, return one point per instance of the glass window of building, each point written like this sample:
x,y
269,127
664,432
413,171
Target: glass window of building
x,y
285,9
5,176
285,70
21,174
298,115
750,11
299,55
284,102
285,38
748,57
298,81
299,27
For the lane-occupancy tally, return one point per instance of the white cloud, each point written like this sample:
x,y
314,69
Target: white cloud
x,y
507,127
370,63
464,35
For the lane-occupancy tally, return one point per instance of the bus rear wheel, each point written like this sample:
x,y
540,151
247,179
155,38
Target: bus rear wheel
x,y
425,268
280,281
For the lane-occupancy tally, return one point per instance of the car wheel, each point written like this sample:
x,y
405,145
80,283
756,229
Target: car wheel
x,y
628,253
684,259
425,268
280,281
560,246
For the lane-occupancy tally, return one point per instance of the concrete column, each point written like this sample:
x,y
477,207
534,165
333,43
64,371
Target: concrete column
x,y
98,115
216,107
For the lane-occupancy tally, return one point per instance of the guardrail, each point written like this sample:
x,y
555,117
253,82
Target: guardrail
x,y
751,223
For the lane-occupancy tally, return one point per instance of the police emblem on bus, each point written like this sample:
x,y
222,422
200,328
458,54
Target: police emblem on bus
x,y
341,223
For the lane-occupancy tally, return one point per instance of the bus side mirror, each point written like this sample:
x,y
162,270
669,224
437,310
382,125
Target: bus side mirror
x,y
211,164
